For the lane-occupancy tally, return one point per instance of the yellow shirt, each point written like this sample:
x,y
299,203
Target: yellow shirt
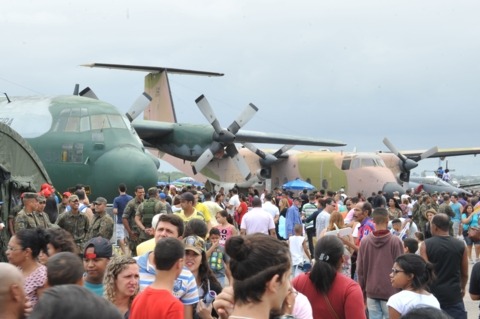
x,y
202,208
146,246
195,215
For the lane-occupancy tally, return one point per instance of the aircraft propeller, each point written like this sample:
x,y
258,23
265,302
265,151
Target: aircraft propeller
x,y
267,158
138,106
223,138
408,163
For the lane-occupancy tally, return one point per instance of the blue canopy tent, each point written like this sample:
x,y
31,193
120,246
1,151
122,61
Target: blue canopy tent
x,y
298,184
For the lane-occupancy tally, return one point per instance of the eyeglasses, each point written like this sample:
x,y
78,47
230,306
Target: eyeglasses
x,y
13,249
42,202
396,271
75,201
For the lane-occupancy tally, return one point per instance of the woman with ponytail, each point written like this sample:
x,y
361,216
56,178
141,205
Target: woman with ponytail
x,y
22,251
260,267
412,274
331,294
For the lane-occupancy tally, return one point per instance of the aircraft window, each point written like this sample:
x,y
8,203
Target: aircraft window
x,y
84,124
355,163
346,163
116,121
99,122
379,162
73,124
368,162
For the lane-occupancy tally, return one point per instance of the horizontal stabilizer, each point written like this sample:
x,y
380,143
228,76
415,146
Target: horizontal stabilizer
x,y
150,69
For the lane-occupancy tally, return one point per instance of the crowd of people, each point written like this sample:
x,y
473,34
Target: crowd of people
x,y
189,253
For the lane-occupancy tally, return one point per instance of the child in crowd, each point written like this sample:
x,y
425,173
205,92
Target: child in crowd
x,y
397,229
225,226
216,255
420,238
298,246
169,256
410,245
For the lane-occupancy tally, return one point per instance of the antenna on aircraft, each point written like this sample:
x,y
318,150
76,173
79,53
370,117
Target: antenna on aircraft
x,y
8,99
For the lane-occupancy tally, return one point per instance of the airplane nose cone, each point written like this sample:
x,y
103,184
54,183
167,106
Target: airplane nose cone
x,y
127,164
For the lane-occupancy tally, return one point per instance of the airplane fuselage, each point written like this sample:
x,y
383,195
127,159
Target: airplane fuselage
x,y
81,141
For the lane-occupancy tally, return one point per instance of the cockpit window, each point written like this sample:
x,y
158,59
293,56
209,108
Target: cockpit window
x,y
362,161
78,120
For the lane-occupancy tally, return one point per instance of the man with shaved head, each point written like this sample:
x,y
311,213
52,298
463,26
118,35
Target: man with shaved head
x,y
12,295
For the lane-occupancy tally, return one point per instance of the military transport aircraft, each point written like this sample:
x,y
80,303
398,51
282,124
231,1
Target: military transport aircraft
x,y
81,139
213,153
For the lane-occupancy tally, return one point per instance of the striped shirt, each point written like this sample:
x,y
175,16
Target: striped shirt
x,y
185,287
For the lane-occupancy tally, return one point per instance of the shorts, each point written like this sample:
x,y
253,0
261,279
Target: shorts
x,y
468,240
119,231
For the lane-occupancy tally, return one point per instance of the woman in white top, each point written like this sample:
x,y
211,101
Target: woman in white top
x,y
412,274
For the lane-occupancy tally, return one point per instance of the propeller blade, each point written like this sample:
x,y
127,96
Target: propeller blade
x,y
429,153
87,92
243,118
394,150
239,161
76,89
282,150
255,150
206,157
138,106
207,111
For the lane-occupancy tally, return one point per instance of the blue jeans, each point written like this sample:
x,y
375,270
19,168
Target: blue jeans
x,y
456,311
377,309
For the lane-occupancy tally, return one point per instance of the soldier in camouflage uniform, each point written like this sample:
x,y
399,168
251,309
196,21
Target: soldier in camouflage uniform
x,y
26,218
145,212
426,205
102,224
74,222
128,219
42,218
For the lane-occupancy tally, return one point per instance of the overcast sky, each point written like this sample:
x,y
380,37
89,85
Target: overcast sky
x,y
354,71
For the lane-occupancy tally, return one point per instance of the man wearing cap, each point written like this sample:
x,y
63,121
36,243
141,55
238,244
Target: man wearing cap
x,y
26,218
185,288
163,199
202,208
74,222
96,257
188,212
43,219
64,205
128,218
102,223
145,212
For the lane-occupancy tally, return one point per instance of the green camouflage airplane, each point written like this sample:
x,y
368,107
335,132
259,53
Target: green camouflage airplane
x,y
80,139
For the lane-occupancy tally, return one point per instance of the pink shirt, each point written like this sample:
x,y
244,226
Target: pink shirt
x,y
34,281
225,233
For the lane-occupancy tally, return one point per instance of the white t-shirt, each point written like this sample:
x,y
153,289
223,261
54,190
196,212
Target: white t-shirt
x,y
296,249
272,209
406,300
257,221
235,202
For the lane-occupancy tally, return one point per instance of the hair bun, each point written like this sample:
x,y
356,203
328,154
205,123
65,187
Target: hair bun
x,y
237,248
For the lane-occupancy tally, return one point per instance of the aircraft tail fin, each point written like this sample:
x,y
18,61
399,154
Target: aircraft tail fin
x,y
157,86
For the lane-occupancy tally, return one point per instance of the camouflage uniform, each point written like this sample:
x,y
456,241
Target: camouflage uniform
x,y
422,216
25,220
146,211
129,214
102,225
43,220
76,224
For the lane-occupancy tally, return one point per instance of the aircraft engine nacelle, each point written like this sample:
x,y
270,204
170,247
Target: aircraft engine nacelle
x,y
264,173
404,176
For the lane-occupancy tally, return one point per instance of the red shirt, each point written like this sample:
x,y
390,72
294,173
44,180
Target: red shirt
x,y
147,305
241,211
345,296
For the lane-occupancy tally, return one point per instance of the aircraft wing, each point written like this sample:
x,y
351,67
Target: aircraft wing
x,y
445,152
269,138
152,129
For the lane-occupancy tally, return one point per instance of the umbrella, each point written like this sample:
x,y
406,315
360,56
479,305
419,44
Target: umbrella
x,y
298,184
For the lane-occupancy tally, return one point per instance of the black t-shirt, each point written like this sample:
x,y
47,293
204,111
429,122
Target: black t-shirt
x,y
474,288
446,254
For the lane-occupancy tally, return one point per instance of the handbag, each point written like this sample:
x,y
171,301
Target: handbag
x,y
474,233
